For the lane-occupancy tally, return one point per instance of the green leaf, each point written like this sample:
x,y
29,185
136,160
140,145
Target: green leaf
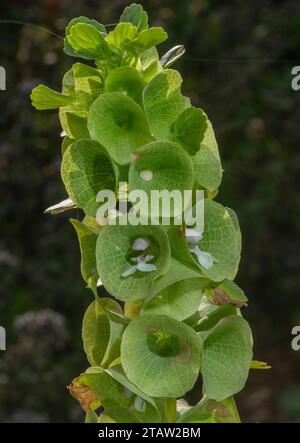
x,y
102,332
68,83
220,238
227,355
126,80
135,15
68,48
122,402
86,170
149,63
208,170
170,167
179,301
65,144
87,80
163,102
84,84
236,225
45,98
161,356
149,38
189,129
114,253
87,240
85,40
119,124
209,139
211,411
73,118
121,35
95,333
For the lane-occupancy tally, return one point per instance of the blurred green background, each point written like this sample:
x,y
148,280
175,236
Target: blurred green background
x,y
239,56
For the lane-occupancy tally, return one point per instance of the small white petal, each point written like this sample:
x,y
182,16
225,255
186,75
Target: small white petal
x,y
205,259
99,283
146,267
146,175
129,271
149,258
135,259
193,236
140,244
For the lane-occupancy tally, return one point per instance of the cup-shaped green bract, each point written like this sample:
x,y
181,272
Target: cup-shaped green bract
x,y
208,169
221,239
73,117
163,167
101,333
86,170
87,237
161,355
163,102
115,256
126,80
231,339
189,129
119,124
179,300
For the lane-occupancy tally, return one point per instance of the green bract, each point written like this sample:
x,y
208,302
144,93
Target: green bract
x,y
86,170
232,339
118,123
166,311
169,167
163,102
161,356
112,264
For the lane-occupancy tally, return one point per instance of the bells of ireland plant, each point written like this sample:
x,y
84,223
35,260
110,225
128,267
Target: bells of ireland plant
x,y
165,311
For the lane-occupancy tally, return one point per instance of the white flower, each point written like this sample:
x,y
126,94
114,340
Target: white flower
x,y
205,259
141,265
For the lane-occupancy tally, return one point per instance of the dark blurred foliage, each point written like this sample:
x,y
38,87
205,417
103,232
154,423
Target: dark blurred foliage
x,y
238,62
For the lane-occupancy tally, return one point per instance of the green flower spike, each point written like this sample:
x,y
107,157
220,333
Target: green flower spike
x,y
165,312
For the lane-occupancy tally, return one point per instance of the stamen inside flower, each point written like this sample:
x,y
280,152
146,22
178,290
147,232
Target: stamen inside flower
x,y
142,261
140,244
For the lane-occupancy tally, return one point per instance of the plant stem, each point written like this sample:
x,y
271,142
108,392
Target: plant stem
x,y
170,410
